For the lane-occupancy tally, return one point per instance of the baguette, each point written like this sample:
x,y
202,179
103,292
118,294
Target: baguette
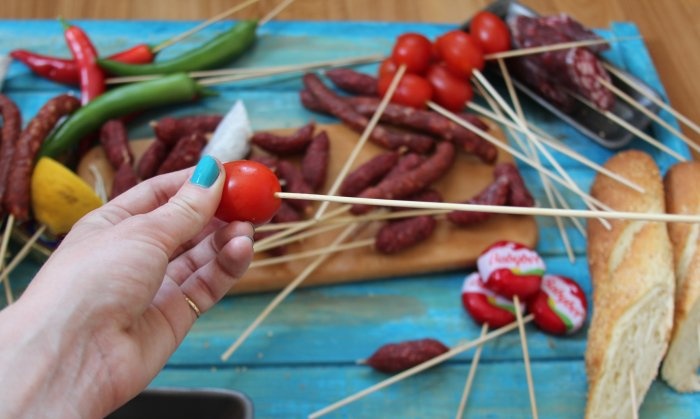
x,y
680,368
633,281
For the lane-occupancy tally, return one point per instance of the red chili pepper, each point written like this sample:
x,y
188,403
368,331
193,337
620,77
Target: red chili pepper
x,y
92,77
66,71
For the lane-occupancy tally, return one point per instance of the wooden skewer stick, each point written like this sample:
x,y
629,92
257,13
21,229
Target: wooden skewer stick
x,y
284,293
298,237
560,148
364,137
633,396
649,95
9,297
573,185
554,47
497,209
274,12
376,216
535,156
418,368
629,127
493,140
202,25
222,75
316,252
299,227
471,375
526,356
23,252
656,118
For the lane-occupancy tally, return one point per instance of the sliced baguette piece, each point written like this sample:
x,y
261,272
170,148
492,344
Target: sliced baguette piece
x,y
631,269
680,368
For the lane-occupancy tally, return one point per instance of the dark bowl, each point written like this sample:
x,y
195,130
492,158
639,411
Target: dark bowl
x,y
184,403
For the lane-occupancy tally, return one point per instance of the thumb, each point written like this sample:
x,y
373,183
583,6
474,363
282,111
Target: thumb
x,y
189,210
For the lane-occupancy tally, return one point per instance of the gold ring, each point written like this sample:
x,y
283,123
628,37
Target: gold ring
x,y
193,306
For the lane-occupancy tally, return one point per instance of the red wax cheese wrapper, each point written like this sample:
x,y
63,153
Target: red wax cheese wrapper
x,y
560,307
484,305
511,269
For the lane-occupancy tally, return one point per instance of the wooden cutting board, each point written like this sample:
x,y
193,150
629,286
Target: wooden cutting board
x,y
448,248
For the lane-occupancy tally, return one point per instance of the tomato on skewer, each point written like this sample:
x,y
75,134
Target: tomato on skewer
x,y
490,32
250,193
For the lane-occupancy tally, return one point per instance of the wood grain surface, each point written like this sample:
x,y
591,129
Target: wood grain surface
x,y
669,28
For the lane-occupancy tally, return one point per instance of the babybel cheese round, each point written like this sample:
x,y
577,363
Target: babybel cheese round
x,y
484,305
560,307
511,269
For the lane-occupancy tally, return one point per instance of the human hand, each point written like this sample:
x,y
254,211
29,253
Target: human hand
x,y
111,304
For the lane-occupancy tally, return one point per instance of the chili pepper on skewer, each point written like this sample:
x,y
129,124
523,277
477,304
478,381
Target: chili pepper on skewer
x,y
65,71
92,77
218,51
118,102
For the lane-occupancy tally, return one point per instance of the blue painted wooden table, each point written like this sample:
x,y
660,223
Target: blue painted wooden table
x,y
304,356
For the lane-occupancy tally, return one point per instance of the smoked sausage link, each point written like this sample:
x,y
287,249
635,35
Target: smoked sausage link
x,y
115,143
396,236
17,200
285,144
12,125
124,179
353,82
494,194
169,130
185,153
368,173
314,164
414,181
518,194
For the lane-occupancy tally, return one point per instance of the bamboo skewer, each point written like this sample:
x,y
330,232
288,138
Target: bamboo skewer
x,y
497,209
560,148
299,227
629,127
493,140
364,137
645,91
533,154
9,297
656,118
526,357
284,293
186,34
298,237
315,252
633,396
212,77
554,47
573,185
355,219
471,375
23,252
418,368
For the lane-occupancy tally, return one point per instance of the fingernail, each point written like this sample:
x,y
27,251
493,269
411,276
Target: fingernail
x,y
206,172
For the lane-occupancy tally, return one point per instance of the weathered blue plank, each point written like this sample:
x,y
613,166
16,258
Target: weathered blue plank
x,y
302,357
499,391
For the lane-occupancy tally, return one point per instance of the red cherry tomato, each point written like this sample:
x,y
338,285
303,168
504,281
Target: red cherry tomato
x,y
249,193
560,307
484,306
449,91
460,52
511,269
413,50
490,32
413,90
387,68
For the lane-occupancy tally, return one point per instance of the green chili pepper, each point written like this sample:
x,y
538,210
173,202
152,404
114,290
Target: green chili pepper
x,y
215,53
118,102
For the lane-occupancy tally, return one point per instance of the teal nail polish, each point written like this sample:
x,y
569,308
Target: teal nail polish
x,y
206,172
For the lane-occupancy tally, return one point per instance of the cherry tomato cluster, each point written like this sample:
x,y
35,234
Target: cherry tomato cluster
x,y
509,269
250,193
440,70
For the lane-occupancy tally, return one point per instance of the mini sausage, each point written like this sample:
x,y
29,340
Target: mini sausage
x,y
185,154
115,143
314,164
285,144
368,173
